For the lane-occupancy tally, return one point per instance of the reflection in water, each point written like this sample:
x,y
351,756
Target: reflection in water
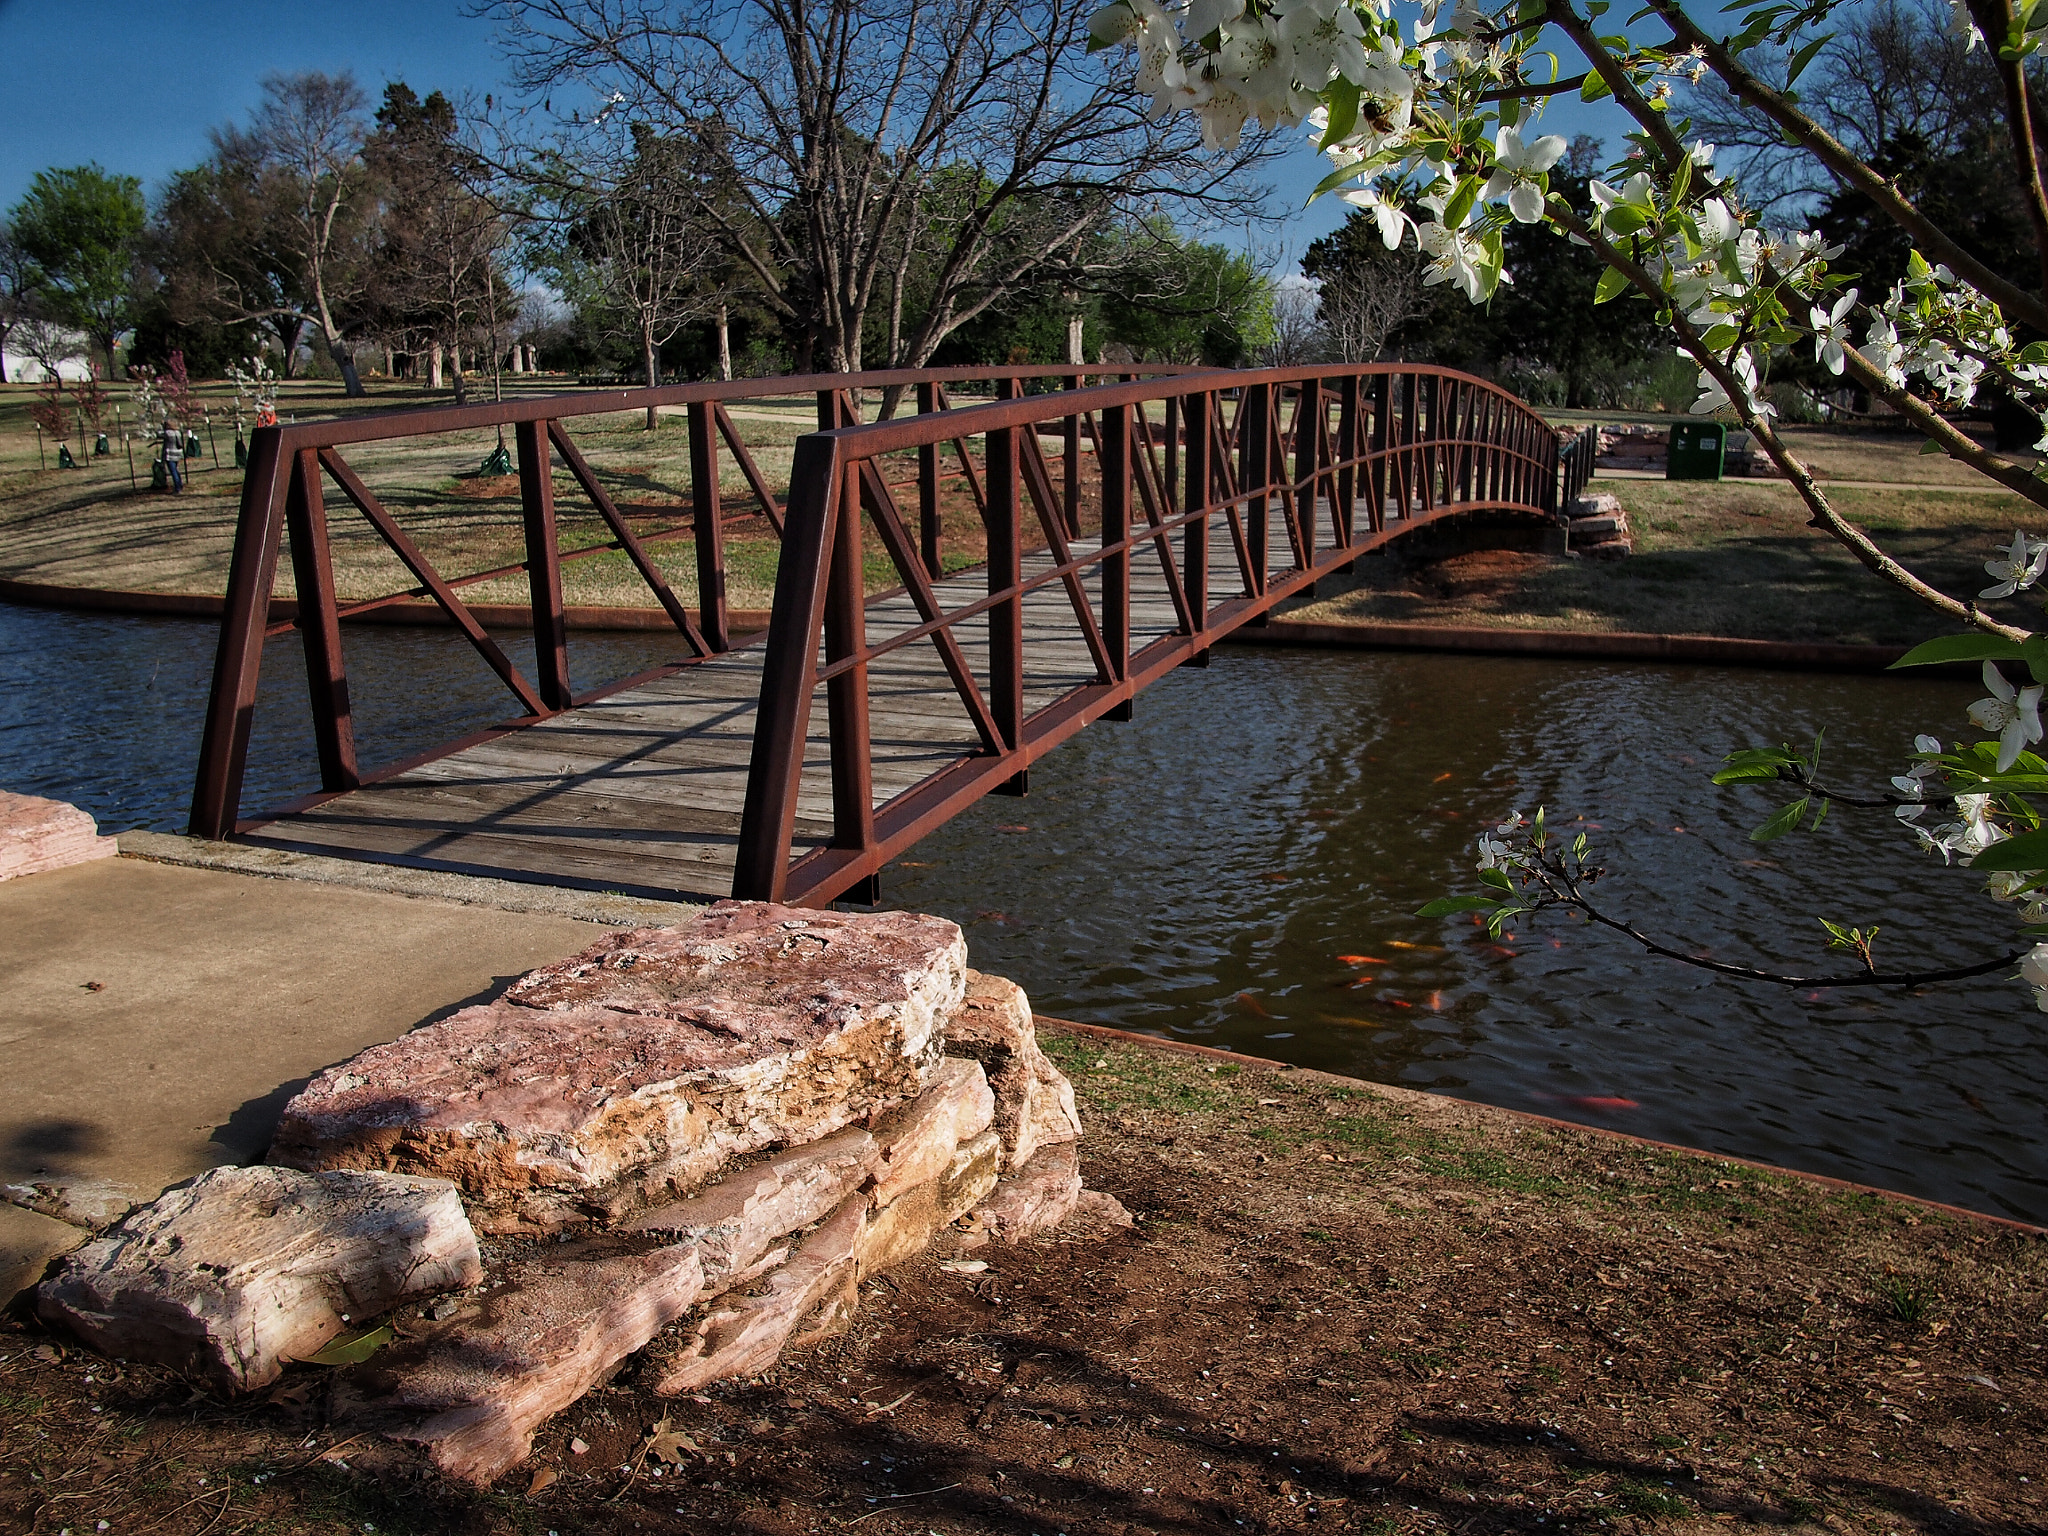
x,y
1239,866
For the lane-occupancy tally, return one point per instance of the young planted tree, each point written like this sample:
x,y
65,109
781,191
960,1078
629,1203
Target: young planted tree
x,y
833,138
81,229
18,283
1429,122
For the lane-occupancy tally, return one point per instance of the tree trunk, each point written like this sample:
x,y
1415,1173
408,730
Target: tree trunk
x,y
351,381
650,361
1074,340
434,366
724,346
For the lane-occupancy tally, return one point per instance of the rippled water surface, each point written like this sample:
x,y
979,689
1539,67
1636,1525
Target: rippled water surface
x,y
1199,872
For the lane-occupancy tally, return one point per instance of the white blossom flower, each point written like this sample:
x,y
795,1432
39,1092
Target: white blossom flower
x,y
1386,213
2020,569
1455,258
1831,332
2014,714
1515,167
2034,972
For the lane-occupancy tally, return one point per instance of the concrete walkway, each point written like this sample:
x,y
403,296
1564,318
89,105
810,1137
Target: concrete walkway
x,y
159,1015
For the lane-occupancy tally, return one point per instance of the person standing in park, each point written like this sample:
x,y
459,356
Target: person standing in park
x,y
174,454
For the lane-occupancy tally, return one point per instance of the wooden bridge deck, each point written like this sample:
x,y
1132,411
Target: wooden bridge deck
x,y
641,791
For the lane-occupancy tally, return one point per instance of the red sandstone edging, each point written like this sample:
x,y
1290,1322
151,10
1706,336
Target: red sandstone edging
x,y
200,605
1188,1047
1799,655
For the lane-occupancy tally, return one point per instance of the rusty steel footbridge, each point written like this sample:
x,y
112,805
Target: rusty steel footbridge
x,y
1179,505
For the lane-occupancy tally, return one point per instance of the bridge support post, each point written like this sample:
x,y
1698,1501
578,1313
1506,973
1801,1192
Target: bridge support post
x,y
928,489
313,573
543,566
846,695
1197,413
1346,492
252,574
709,517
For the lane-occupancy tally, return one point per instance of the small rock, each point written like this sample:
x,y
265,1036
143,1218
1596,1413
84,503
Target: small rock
x,y
38,835
637,1070
1041,1194
474,1391
242,1269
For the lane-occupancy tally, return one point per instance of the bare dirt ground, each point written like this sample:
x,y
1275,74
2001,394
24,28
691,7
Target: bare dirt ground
x,y
1342,1309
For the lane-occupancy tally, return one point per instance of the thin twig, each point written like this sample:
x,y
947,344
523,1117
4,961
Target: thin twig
x,y
879,1498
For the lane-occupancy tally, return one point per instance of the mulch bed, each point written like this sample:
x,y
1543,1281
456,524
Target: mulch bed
x,y
1343,1309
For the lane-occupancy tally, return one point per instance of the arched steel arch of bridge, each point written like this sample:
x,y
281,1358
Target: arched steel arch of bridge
x,y
1181,504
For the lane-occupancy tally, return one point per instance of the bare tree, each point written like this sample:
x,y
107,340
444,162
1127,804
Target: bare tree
x,y
1300,335
941,150
308,135
1897,68
1365,302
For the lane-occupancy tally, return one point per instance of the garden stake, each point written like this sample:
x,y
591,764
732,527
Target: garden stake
x,y
42,462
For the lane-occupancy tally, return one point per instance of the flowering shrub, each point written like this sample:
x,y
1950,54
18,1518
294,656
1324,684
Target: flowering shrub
x,y
1431,128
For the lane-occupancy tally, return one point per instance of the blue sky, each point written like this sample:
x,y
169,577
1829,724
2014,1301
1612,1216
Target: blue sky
x,y
135,86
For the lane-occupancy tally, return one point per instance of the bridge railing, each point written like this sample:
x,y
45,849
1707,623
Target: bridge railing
x,y
285,499
1296,471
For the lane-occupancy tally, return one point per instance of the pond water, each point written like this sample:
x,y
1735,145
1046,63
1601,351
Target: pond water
x,y
1200,871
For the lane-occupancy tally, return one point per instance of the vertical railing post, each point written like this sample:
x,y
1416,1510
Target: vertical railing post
x,y
238,660
710,518
928,489
1172,435
1376,474
1308,466
846,695
1072,465
1347,451
788,674
1005,573
1254,472
1113,466
543,566
1197,415
313,574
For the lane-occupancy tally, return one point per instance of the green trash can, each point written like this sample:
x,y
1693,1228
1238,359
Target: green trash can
x,y
100,446
241,454
193,447
1696,451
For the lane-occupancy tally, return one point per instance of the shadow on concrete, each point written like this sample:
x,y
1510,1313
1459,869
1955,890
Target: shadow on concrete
x,y
45,1147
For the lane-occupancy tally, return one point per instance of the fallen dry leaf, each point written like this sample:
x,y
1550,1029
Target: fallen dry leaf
x,y
667,1443
543,1477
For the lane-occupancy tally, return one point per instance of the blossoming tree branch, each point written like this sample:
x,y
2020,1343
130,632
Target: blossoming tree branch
x,y
1429,118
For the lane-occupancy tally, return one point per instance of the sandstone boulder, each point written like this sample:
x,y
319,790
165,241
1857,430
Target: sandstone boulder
x,y
635,1071
242,1269
37,835
1034,1100
917,1143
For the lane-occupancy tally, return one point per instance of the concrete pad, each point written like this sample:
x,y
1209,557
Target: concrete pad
x,y
27,1244
156,1017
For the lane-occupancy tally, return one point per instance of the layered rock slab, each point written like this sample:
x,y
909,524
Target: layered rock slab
x,y
241,1270
473,1389
634,1071
39,835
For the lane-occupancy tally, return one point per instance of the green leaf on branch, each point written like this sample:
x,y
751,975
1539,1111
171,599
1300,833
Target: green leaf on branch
x,y
1757,763
1594,88
1498,879
2034,651
1785,821
1976,646
1804,57
1450,906
1342,99
1612,285
2029,850
1500,917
